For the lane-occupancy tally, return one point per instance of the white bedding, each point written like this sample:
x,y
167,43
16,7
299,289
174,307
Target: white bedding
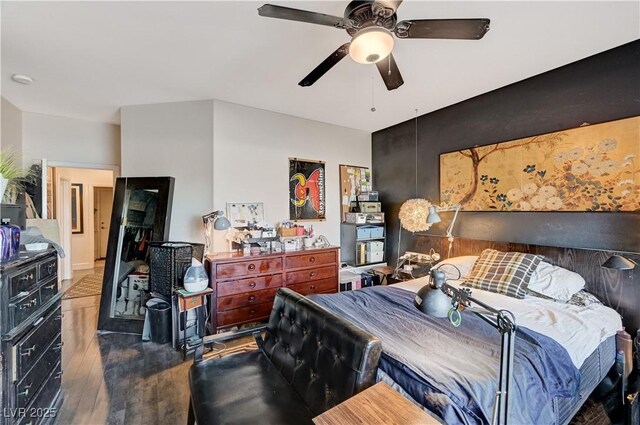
x,y
578,329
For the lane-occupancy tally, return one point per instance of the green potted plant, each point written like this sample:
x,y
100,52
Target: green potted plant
x,y
11,174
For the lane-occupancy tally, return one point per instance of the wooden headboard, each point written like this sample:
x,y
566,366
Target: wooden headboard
x,y
618,289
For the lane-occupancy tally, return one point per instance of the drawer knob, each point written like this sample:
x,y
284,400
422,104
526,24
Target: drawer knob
x,y
313,286
27,277
312,274
58,375
252,298
53,285
28,304
252,284
252,312
27,352
251,267
26,391
312,259
58,346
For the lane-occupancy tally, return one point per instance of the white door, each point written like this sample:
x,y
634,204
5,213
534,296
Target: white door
x,y
63,214
103,205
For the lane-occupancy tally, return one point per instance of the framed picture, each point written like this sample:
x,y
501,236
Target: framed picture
x,y
245,214
306,190
589,168
77,223
354,180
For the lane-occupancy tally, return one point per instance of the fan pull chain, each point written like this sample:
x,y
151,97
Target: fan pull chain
x,y
389,72
373,102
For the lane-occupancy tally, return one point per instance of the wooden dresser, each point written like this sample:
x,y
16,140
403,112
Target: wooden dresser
x,y
30,330
244,285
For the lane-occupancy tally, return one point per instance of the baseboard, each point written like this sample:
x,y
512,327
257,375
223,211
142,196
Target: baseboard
x,y
81,266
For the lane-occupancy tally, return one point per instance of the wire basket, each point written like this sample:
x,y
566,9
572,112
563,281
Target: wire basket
x,y
168,261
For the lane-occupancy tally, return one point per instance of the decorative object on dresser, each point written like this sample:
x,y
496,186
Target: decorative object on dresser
x,y
30,328
213,221
306,190
245,284
141,214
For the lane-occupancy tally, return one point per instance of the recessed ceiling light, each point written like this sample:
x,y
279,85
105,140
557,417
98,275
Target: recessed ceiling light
x,y
22,79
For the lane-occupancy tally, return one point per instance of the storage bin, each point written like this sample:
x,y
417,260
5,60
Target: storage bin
x,y
375,257
375,246
376,232
363,232
356,218
370,207
168,261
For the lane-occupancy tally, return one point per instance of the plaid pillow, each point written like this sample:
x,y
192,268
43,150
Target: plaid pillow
x,y
506,273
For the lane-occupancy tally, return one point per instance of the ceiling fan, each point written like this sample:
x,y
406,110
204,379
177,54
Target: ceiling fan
x,y
371,25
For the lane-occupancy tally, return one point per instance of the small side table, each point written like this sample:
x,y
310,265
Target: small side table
x,y
379,404
188,301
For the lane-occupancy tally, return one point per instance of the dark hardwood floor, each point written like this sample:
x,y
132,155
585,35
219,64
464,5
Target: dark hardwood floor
x,y
116,378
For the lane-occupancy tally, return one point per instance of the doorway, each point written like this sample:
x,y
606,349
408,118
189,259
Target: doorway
x,y
102,205
89,206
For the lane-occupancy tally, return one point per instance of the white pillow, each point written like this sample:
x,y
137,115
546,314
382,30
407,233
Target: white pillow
x,y
463,263
555,282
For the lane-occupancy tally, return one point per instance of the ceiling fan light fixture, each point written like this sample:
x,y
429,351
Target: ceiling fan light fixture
x,y
371,45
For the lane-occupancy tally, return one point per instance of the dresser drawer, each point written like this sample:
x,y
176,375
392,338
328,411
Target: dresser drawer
x,y
21,308
245,314
48,290
249,267
308,260
317,286
22,282
246,299
29,385
31,347
239,286
47,268
41,409
311,274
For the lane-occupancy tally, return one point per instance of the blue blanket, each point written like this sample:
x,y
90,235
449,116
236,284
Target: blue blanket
x,y
452,371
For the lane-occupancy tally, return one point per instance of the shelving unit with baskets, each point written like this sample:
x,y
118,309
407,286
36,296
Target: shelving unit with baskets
x,y
362,244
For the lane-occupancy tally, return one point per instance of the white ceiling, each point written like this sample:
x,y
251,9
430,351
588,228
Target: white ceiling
x,y
90,58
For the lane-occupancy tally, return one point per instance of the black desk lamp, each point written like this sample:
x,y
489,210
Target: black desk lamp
x,y
440,299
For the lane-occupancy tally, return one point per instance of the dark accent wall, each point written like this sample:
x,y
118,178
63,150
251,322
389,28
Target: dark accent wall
x,y
597,89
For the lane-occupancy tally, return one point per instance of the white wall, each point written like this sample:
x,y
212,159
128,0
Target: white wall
x,y
82,244
69,140
251,151
11,136
173,139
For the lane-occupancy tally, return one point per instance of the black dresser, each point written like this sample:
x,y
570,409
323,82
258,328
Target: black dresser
x,y
30,331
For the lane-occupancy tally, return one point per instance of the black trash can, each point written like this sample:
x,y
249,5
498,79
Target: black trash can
x,y
160,322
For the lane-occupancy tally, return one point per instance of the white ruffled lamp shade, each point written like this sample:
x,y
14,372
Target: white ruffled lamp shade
x,y
413,215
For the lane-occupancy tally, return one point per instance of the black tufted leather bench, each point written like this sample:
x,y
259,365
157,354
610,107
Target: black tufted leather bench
x,y
310,360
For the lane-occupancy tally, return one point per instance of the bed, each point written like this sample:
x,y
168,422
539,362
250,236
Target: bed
x,y
562,352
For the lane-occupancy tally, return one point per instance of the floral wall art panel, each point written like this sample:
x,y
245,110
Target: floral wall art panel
x,y
590,168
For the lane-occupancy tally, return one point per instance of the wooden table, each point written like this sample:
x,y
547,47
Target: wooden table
x,y
379,404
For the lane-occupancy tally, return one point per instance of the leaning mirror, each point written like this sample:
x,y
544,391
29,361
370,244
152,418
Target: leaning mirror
x,y
141,214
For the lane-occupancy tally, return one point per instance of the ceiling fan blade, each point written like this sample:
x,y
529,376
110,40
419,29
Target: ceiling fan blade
x,y
390,73
325,66
280,12
464,29
385,8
